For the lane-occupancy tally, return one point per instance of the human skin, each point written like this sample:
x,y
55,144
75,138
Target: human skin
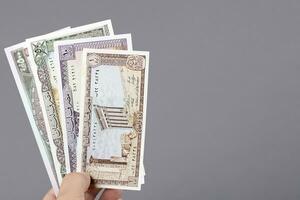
x,y
76,186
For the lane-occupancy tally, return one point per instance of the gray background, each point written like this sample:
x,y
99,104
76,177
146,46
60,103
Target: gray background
x,y
223,109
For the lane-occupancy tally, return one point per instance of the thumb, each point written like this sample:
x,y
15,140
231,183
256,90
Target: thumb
x,y
74,186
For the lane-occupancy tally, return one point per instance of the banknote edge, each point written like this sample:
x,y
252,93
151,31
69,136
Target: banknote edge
x,y
74,30
94,39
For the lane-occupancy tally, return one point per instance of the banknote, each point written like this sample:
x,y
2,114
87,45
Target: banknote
x,y
41,55
18,59
17,56
67,57
112,117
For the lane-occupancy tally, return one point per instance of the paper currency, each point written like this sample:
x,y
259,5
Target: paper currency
x,y
84,91
112,117
68,60
18,59
41,55
17,56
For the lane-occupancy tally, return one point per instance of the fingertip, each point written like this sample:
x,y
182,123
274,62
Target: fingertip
x,y
74,184
112,194
78,177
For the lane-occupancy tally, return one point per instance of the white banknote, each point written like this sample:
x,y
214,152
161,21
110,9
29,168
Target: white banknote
x,y
20,65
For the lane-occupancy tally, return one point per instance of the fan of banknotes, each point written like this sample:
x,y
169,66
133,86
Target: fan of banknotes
x,y
84,90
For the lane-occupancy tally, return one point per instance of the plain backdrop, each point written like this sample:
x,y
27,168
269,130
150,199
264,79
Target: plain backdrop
x,y
223,115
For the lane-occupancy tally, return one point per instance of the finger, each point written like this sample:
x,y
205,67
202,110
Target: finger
x,y
50,195
110,194
92,193
74,186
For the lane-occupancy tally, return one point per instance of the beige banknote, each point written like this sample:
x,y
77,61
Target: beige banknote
x,y
113,116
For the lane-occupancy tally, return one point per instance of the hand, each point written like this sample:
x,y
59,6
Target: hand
x,y
75,186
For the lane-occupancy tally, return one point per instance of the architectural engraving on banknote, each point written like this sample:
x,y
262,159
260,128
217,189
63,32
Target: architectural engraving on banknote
x,y
112,125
